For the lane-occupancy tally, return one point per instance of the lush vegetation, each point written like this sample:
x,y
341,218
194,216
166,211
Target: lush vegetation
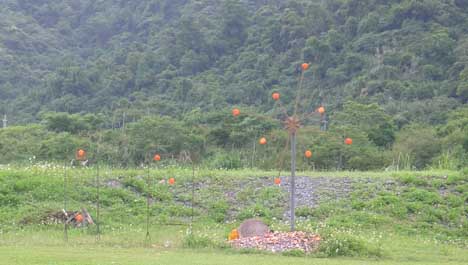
x,y
219,140
152,75
127,79
414,217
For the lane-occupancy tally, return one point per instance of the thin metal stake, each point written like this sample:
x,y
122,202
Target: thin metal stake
x,y
98,186
293,180
98,236
65,228
193,197
148,237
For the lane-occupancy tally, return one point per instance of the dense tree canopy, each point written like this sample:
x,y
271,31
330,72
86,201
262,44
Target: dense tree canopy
x,y
387,70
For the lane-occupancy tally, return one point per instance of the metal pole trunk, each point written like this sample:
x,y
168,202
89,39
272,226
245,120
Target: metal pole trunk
x,y
193,198
98,237
293,181
65,227
148,184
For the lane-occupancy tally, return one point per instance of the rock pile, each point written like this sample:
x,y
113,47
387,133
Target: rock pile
x,y
253,227
280,242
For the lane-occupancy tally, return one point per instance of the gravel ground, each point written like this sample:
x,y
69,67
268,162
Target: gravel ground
x,y
280,242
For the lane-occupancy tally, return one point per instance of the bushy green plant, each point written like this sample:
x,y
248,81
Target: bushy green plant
x,y
411,179
304,211
180,211
255,210
196,241
422,195
137,184
225,160
217,210
389,204
336,244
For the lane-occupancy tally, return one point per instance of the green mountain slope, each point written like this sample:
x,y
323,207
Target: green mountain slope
x,y
126,60
85,56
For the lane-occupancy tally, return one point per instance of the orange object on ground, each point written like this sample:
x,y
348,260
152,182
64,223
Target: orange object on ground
x,y
263,141
277,181
233,235
79,218
305,66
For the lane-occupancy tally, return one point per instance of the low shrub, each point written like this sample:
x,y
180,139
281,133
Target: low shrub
x,y
196,241
335,245
218,210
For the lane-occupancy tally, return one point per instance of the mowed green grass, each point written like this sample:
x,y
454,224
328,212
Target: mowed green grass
x,y
95,255
48,248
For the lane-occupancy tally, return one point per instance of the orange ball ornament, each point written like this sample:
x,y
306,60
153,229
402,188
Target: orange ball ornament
x,y
308,154
235,112
276,96
321,110
171,181
348,141
81,154
157,157
277,181
263,141
79,218
305,66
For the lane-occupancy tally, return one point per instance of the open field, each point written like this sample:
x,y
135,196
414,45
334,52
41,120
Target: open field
x,y
364,217
398,251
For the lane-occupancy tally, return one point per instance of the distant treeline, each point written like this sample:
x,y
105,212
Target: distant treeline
x,y
220,140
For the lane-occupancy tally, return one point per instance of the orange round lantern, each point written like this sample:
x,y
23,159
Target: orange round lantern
x,y
171,181
321,110
275,96
157,157
308,154
81,154
235,112
263,141
348,141
277,181
79,218
305,66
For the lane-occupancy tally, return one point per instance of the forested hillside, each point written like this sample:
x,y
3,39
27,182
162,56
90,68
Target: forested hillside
x,y
391,74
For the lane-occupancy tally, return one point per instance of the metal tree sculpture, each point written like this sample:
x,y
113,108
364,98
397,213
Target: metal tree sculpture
x,y
292,123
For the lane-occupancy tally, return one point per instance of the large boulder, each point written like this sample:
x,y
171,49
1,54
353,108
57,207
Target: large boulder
x,y
253,227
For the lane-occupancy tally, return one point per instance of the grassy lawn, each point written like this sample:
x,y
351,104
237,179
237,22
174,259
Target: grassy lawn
x,y
46,247
419,219
95,255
